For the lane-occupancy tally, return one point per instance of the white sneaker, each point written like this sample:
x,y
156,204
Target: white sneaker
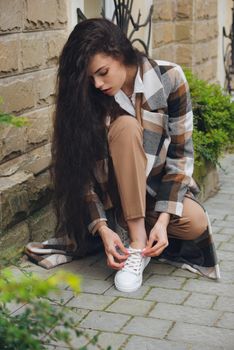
x,y
129,279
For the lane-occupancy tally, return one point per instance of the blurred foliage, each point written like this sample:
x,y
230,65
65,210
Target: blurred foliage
x,y
213,120
40,320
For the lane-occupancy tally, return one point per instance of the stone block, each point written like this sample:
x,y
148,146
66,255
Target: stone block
x,y
210,287
14,240
167,295
169,282
89,285
34,161
40,126
184,54
205,30
145,343
39,191
104,321
202,30
8,55
164,10
45,14
14,205
206,9
91,301
202,335
32,51
224,304
12,141
184,31
54,44
213,28
21,194
202,300
201,53
17,94
131,307
148,327
226,321
163,33
188,314
166,52
207,71
11,14
184,9
106,339
42,224
45,87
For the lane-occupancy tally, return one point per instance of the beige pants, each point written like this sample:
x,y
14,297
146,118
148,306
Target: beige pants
x,y
129,165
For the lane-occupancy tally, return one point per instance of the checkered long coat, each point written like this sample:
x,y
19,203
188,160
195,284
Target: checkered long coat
x,y
167,139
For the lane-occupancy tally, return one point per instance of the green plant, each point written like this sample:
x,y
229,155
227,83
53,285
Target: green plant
x,y
6,118
213,120
40,322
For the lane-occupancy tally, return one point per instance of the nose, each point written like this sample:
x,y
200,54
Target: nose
x,y
98,83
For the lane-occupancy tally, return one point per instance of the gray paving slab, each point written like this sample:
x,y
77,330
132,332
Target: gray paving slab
x,y
131,307
203,335
147,326
143,343
167,295
104,321
90,301
174,308
185,314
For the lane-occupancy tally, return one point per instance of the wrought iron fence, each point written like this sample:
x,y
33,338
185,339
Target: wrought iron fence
x,y
122,16
228,55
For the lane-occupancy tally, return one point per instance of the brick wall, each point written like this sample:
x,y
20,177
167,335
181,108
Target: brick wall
x,y
185,32
32,34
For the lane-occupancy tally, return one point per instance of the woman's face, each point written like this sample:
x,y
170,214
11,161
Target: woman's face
x,y
107,73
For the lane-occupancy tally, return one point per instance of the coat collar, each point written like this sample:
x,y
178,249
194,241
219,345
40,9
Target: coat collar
x,y
154,95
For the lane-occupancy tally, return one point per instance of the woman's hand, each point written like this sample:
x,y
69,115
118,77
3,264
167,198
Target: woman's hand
x,y
158,234
112,241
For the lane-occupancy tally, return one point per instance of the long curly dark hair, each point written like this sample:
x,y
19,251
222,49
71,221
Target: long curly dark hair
x,y
81,110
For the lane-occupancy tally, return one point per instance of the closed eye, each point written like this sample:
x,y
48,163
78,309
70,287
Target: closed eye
x,y
103,72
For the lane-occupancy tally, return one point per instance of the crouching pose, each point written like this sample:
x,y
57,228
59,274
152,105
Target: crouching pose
x,y
123,155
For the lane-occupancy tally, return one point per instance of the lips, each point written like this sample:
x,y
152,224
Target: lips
x,y
106,91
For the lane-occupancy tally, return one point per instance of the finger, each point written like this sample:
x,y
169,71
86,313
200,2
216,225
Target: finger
x,y
150,242
113,264
157,249
118,256
122,248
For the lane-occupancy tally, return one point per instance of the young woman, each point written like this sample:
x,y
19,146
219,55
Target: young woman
x,y
122,151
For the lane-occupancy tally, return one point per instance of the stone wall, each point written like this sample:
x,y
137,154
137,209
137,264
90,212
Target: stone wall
x,y
185,32
32,34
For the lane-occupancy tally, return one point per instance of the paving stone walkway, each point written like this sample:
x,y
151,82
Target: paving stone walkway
x,y
174,309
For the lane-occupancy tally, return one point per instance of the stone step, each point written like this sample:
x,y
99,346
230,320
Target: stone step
x,y
25,187
37,227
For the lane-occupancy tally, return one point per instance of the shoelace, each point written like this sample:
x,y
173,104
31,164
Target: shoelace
x,y
134,261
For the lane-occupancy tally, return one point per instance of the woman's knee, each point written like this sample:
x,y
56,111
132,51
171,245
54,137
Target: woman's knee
x,y
197,218
124,127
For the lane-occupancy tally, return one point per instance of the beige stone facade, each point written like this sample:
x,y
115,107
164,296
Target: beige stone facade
x,y
32,33
186,32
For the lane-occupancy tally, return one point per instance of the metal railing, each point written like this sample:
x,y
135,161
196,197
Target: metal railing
x,y
122,16
228,56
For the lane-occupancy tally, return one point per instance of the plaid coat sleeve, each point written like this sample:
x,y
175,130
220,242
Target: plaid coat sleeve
x,y
95,212
180,158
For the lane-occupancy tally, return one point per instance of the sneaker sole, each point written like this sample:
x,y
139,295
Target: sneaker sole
x,y
137,286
